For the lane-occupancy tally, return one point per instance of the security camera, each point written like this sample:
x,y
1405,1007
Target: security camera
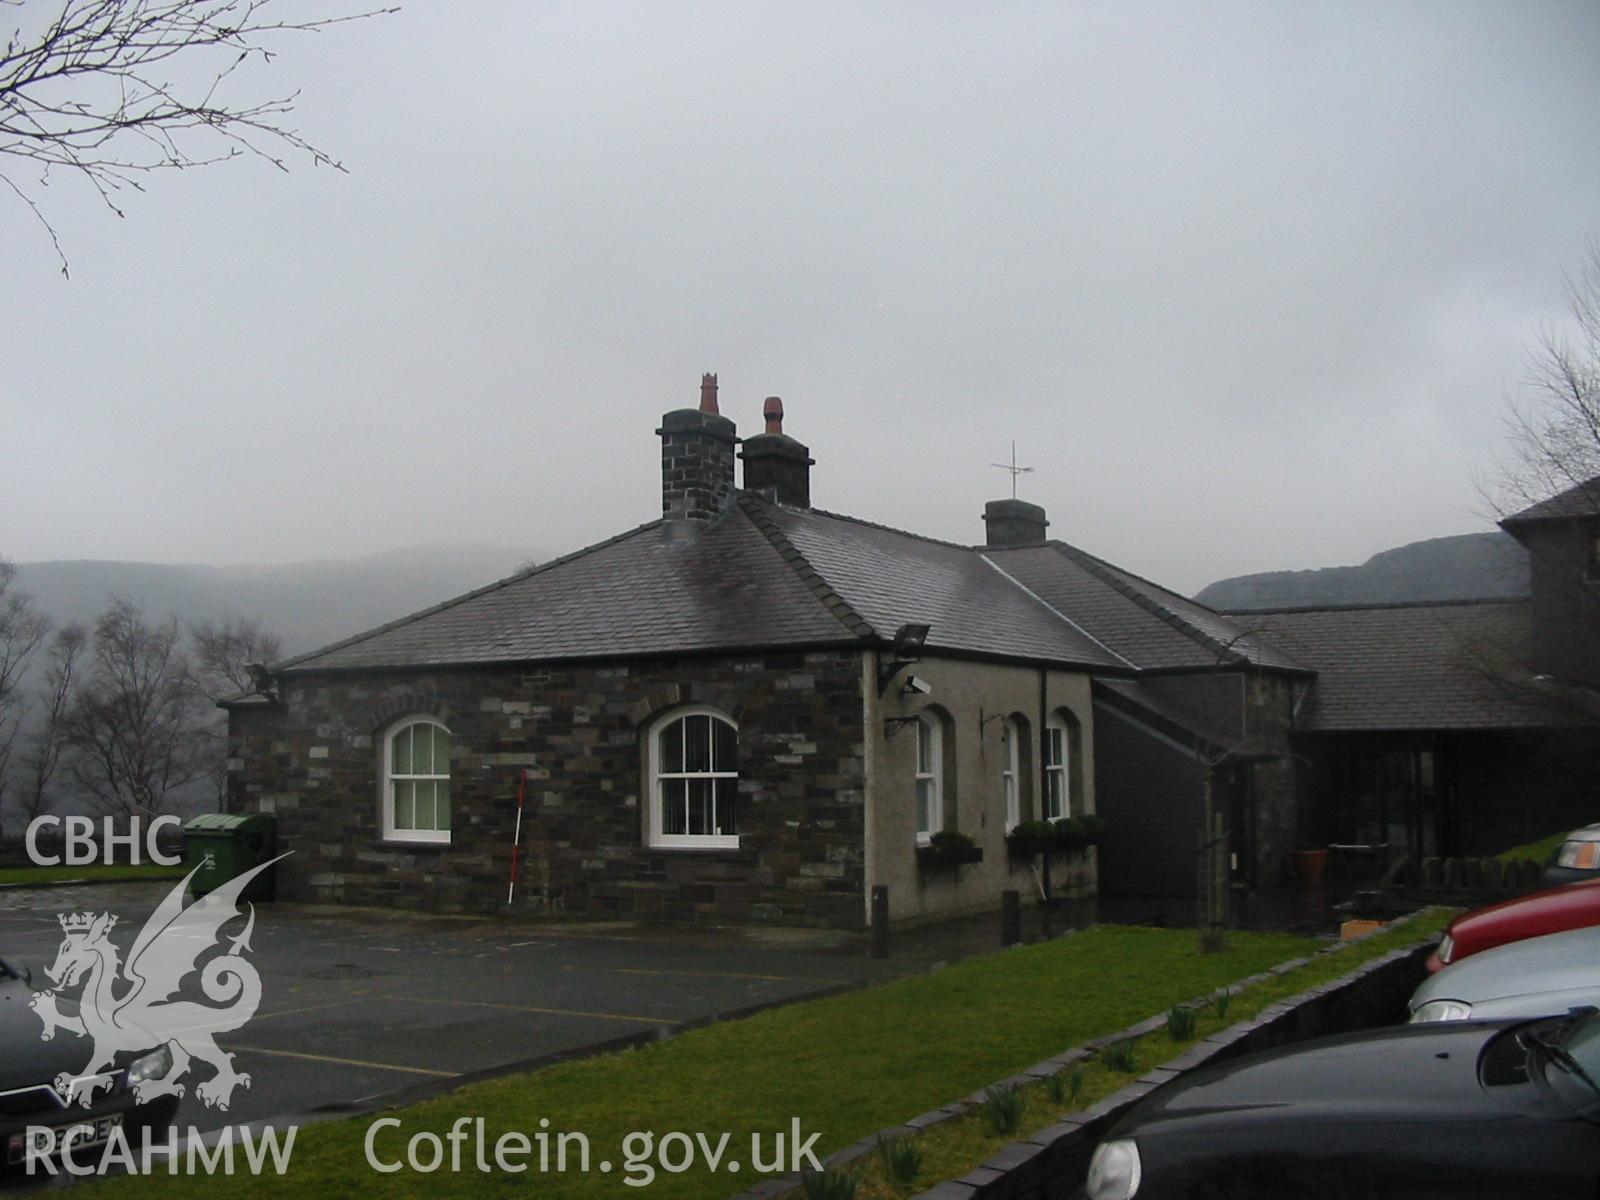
x,y
917,686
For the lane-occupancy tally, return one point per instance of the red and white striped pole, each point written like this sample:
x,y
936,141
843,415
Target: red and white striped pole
x,y
516,838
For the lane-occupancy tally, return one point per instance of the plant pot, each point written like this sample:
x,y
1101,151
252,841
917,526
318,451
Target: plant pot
x,y
1310,865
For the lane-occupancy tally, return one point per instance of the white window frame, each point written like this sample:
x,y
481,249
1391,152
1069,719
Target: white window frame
x,y
387,779
1011,771
654,823
1057,771
928,727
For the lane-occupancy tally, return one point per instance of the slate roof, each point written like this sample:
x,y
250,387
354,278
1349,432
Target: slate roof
x,y
1409,666
641,592
1579,500
890,577
760,576
1144,623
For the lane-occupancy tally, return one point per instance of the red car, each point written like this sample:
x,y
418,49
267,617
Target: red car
x,y
1571,906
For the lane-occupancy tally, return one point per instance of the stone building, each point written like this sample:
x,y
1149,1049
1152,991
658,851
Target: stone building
x,y
751,709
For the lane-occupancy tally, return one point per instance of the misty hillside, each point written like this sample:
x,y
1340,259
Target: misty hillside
x,y
1470,566
307,604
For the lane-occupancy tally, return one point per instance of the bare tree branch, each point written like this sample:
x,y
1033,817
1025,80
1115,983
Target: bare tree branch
x,y
134,729
46,746
22,628
223,653
113,90
1554,426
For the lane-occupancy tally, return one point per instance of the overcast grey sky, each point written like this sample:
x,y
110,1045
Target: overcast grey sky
x,y
1248,284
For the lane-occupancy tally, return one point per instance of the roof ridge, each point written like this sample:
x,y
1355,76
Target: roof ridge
x,y
753,508
921,537
1108,574
409,618
1379,605
1051,608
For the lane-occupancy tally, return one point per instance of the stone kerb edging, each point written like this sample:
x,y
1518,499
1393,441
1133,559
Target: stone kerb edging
x,y
1053,1161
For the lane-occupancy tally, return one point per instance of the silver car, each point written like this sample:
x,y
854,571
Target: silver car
x,y
1537,977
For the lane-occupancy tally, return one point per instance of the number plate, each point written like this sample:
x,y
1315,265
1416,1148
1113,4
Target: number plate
x,y
77,1135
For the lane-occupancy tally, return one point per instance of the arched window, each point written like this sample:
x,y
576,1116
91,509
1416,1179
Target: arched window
x,y
929,775
1011,770
1063,792
694,780
415,786
1057,769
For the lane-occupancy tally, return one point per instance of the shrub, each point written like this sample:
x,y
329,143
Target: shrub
x,y
1032,837
1069,834
1003,1107
1180,1023
1119,1056
902,1159
1075,1084
1055,1086
1220,1002
828,1184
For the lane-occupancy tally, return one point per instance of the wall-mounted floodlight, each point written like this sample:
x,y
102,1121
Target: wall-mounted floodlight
x,y
903,651
261,679
909,640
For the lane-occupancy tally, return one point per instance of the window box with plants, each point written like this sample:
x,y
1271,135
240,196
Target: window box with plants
x,y
1065,835
1076,834
1031,838
947,850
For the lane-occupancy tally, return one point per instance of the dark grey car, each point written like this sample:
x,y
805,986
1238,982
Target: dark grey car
x,y
29,1067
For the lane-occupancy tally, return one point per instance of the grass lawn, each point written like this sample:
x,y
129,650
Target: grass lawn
x,y
92,874
953,1149
1540,852
844,1066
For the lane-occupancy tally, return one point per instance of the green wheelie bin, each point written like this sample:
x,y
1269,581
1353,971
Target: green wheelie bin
x,y
226,845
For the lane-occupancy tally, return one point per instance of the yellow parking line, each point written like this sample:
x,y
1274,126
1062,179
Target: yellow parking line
x,y
705,974
345,1062
553,1012
293,1012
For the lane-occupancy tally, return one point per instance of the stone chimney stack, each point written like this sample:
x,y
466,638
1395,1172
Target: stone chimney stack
x,y
696,460
776,465
1013,523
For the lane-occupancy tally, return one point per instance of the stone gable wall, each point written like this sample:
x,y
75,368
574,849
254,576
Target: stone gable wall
x,y
313,761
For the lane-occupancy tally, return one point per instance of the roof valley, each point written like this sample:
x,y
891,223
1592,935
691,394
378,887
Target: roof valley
x,y
1051,608
1108,575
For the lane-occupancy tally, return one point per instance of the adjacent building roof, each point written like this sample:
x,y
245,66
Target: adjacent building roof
x,y
1579,500
1413,666
1144,623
